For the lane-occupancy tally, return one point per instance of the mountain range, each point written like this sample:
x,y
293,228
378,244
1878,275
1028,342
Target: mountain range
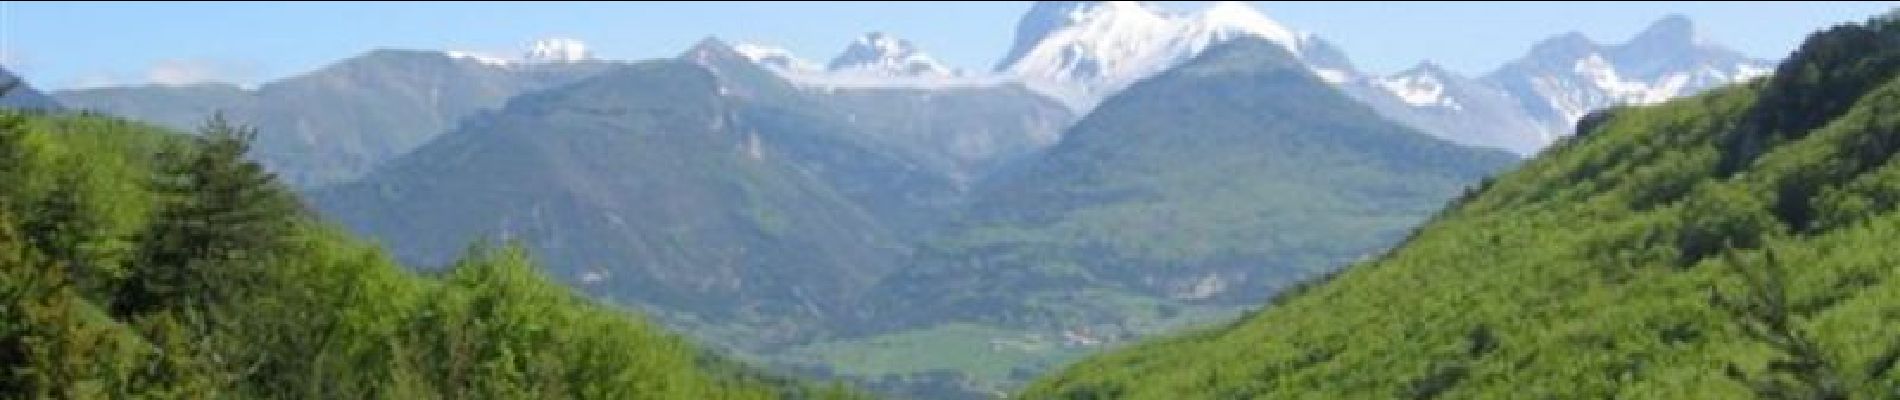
x,y
334,124
955,235
1074,52
1123,170
1567,77
1136,221
1081,52
1733,244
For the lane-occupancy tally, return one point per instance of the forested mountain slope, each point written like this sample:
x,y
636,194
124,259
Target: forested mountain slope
x,y
1732,244
1234,174
138,263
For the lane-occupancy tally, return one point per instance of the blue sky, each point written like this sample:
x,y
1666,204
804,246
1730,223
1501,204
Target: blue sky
x,y
74,44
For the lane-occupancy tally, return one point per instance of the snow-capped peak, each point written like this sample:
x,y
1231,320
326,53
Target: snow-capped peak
x,y
774,57
1421,86
1239,17
1567,77
1083,51
878,53
881,44
884,61
556,50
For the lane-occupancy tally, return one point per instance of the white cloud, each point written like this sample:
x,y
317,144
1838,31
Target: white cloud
x,y
171,71
184,71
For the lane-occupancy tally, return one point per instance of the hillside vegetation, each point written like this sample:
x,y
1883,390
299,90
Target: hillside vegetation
x,y
1731,245
139,263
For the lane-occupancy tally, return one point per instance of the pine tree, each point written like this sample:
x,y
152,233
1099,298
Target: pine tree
x,y
67,230
16,152
220,214
1764,312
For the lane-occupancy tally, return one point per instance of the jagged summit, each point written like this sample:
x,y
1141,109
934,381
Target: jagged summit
x,y
879,53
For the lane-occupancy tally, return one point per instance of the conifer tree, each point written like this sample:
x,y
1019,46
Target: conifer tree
x,y
219,215
1764,312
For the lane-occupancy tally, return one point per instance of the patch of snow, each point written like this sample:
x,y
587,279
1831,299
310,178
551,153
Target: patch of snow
x,y
550,50
774,57
880,54
1333,76
479,57
557,50
1419,90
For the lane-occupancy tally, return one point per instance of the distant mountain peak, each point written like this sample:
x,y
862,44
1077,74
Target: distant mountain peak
x,y
879,53
1423,85
883,43
1568,76
1425,67
711,50
1572,44
1047,16
1671,29
20,94
1083,51
1238,16
1673,36
557,50
775,57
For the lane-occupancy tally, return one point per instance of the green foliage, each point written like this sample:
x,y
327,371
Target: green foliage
x,y
1764,313
167,266
217,212
1734,244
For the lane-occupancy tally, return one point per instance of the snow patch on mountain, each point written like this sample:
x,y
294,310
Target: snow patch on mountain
x,y
1333,76
875,60
1420,87
558,50
479,57
544,51
880,54
1569,76
773,57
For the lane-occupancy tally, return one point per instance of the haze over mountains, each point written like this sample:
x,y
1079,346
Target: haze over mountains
x,y
1075,52
1123,170
1082,52
333,124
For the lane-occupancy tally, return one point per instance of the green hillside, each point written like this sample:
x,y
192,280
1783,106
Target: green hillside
x,y
1732,245
137,263
646,186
